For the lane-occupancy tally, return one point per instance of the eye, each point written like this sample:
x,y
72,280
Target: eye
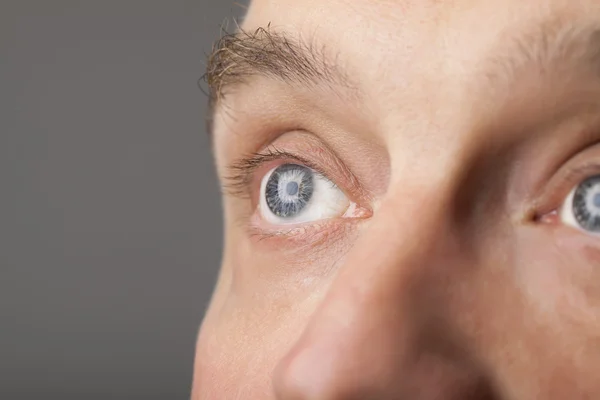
x,y
292,193
582,206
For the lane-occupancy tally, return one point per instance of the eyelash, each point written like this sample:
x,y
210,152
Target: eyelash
x,y
243,182
242,173
242,176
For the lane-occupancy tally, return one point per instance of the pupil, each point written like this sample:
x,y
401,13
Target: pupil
x,y
292,190
597,200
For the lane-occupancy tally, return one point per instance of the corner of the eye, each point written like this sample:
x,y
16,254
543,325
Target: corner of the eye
x,y
533,215
355,211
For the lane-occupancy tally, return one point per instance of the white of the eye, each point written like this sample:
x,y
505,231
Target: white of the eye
x,y
566,212
327,201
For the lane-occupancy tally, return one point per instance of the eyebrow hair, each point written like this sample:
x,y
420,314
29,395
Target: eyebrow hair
x,y
236,57
239,56
548,47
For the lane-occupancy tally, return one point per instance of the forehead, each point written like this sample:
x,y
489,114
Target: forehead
x,y
415,55
379,38
412,12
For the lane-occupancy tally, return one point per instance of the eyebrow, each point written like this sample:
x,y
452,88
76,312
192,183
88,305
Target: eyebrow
x,y
548,47
239,56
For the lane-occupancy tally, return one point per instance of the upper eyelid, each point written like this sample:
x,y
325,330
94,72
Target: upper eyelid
x,y
239,179
557,192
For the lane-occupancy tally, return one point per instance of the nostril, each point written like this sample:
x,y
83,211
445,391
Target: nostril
x,y
318,374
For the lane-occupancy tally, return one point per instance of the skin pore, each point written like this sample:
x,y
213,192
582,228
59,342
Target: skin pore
x,y
444,244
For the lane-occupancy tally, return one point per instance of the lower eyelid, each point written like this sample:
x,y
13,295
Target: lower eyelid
x,y
308,234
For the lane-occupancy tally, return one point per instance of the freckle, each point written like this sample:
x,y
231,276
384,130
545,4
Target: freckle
x,y
592,253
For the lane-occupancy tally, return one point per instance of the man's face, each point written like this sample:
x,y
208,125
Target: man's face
x,y
412,202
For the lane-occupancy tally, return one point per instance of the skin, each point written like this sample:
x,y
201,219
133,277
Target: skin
x,y
458,137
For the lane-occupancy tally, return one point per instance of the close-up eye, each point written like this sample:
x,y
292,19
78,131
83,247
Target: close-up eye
x,y
582,206
292,193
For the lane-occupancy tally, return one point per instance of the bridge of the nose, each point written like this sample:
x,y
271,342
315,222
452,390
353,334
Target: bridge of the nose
x,y
380,327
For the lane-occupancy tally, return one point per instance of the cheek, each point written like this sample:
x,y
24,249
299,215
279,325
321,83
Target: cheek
x,y
242,341
560,276
234,358
261,305
554,331
531,313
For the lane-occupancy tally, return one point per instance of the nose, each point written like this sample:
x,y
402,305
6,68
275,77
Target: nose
x,y
380,332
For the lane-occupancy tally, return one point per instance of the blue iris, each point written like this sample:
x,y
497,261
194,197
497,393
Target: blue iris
x,y
586,204
289,189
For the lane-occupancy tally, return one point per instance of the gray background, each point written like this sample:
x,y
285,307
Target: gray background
x,y
110,227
